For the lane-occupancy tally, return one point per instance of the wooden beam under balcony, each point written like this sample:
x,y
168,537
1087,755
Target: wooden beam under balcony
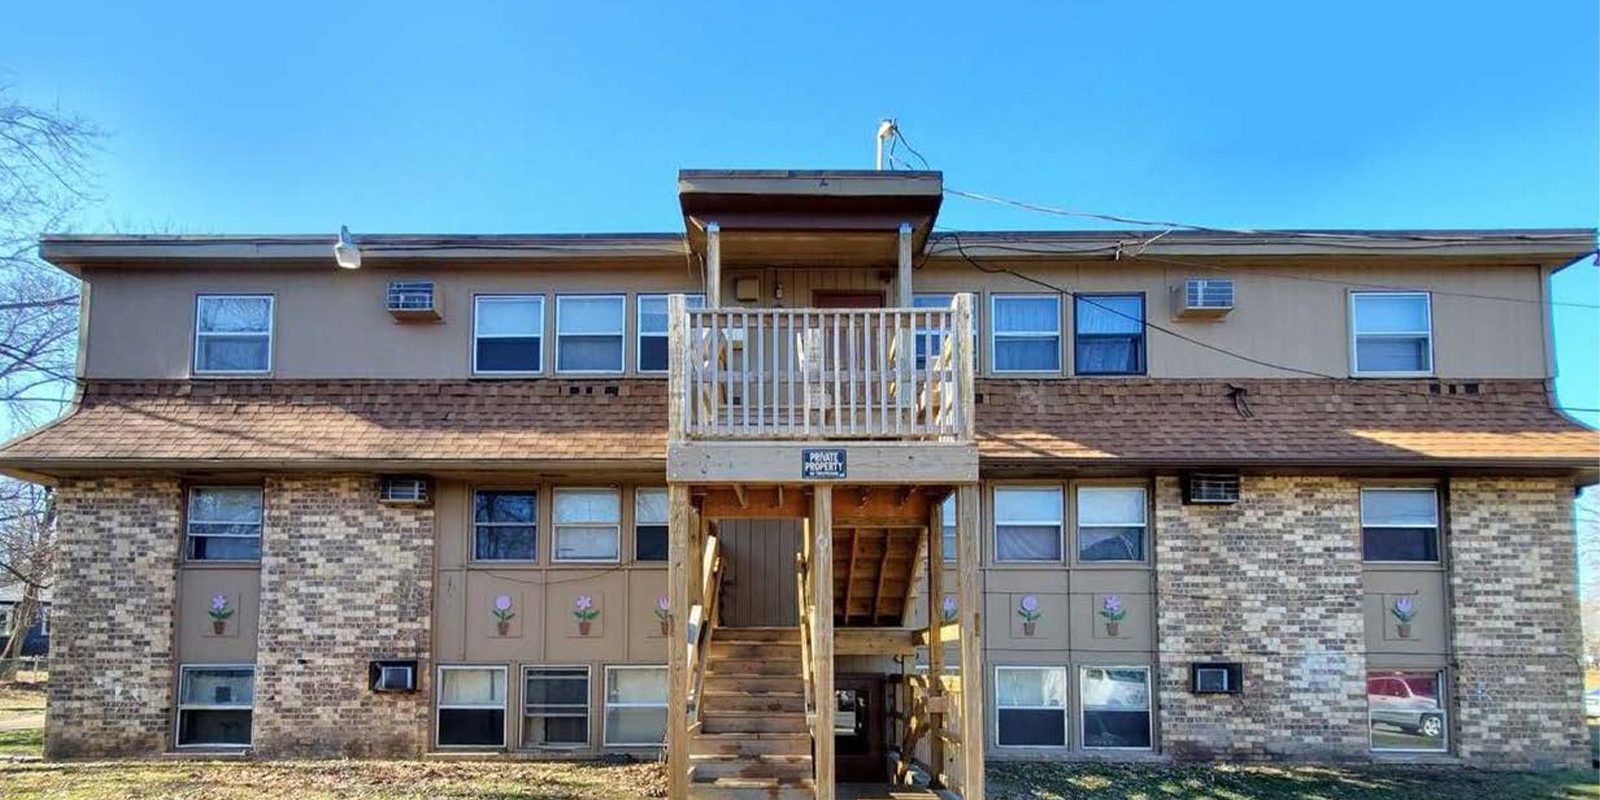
x,y
696,461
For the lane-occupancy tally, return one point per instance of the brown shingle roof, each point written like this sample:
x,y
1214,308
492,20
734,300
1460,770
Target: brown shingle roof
x,y
119,424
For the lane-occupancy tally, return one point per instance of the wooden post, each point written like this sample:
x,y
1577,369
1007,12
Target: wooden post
x,y
822,634
969,597
903,271
713,265
678,388
679,529
966,366
935,641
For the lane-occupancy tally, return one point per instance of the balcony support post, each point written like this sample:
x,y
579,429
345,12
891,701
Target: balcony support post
x,y
713,265
821,600
969,599
903,272
680,518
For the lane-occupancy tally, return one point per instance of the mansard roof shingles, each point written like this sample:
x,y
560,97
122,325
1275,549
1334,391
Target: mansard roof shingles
x,y
121,424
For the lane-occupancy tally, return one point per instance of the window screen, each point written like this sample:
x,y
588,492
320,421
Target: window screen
x,y
636,705
214,705
555,706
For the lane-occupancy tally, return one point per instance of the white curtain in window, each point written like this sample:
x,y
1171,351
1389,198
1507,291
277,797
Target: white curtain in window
x,y
235,314
587,505
1111,505
472,687
1031,688
510,316
650,507
1027,315
1384,508
1110,315
1116,689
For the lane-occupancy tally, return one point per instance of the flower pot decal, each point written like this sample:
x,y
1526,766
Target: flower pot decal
x,y
1113,612
663,613
502,614
583,609
219,613
1028,609
947,609
1404,611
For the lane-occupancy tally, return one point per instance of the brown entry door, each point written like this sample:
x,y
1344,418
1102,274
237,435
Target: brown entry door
x,y
834,298
758,580
858,721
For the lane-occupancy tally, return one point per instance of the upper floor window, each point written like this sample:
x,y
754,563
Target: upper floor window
x,y
587,524
224,523
927,340
233,334
652,353
650,524
1400,524
504,526
1027,333
507,333
1391,333
589,333
1111,523
1108,334
1027,523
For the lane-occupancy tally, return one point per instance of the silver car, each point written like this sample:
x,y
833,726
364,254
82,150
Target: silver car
x,y
1395,702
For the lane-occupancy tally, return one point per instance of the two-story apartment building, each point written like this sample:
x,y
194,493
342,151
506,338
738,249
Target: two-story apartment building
x,y
813,493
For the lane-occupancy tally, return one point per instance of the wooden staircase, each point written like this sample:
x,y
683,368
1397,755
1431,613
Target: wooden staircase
x,y
752,740
875,569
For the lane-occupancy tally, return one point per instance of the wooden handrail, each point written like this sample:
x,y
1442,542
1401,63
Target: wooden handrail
x,y
802,587
703,624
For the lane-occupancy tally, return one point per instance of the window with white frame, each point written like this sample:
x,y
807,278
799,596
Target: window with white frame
x,y
1025,332
214,702
224,523
1027,523
650,524
233,334
1115,704
507,334
1108,334
1400,524
555,706
947,523
1391,333
589,333
472,706
588,525
636,706
1030,706
1111,523
504,525
1406,711
927,340
652,346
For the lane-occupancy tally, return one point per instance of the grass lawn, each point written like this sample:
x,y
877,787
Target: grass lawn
x,y
366,780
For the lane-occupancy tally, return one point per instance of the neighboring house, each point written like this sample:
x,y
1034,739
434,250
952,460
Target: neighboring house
x,y
1275,495
37,641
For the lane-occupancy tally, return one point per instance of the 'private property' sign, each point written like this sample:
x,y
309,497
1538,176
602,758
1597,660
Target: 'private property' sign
x,y
822,465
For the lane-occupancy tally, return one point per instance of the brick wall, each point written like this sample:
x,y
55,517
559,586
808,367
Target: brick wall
x,y
111,659
343,580
1516,630
1274,582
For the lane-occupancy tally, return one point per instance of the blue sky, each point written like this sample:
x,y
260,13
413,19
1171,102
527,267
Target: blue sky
x,y
417,117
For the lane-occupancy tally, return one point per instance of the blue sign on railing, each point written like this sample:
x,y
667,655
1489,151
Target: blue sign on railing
x,y
822,465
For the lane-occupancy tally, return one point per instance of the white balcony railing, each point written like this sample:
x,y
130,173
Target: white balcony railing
x,y
807,373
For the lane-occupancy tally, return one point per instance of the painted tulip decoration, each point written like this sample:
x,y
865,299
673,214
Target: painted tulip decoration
x,y
585,612
1404,611
219,612
502,614
1113,612
663,613
947,609
1028,609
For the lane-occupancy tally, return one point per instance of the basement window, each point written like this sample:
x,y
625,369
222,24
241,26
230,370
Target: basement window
x,y
1027,333
472,707
1400,524
1030,706
555,706
589,333
233,334
588,525
1406,711
636,706
652,345
1027,523
650,524
1391,333
507,334
504,525
224,523
214,702
1116,708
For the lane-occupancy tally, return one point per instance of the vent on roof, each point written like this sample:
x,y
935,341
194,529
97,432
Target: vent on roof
x,y
405,490
1203,298
413,300
1211,488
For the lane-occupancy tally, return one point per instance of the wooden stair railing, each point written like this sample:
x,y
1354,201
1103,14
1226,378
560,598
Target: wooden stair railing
x,y
703,625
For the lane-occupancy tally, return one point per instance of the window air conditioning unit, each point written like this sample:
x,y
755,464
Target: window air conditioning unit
x,y
413,301
403,490
392,676
1203,298
1211,488
1216,678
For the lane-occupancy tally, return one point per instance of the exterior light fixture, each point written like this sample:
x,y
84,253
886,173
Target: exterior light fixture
x,y
345,252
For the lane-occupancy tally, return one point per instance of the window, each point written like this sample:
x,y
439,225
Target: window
x,y
1407,711
504,526
1108,334
1116,707
1391,333
587,524
947,522
1111,523
589,333
1027,523
507,334
233,333
1027,333
44,620
636,706
652,353
472,706
927,340
5,621
555,706
224,523
1030,706
1399,524
214,705
650,524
